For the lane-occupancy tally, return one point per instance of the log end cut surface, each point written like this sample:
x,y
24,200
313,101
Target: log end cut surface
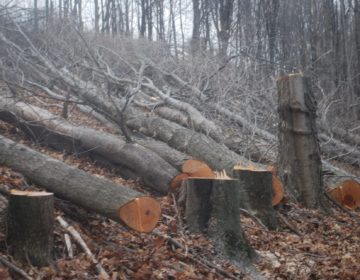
x,y
278,190
197,168
177,181
141,214
347,194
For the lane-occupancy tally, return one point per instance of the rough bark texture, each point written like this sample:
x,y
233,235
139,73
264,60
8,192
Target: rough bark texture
x,y
334,176
94,193
172,156
300,162
195,144
212,207
60,134
30,227
3,214
256,195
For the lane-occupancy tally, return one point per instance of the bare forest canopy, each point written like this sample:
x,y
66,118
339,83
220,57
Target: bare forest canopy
x,y
260,39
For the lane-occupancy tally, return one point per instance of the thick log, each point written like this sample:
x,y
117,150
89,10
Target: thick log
x,y
123,204
58,133
172,156
256,195
335,149
299,151
212,207
342,186
30,226
195,144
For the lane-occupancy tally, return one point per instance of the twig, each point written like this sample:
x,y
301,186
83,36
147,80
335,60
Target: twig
x,y
102,273
177,212
68,245
254,218
289,225
15,268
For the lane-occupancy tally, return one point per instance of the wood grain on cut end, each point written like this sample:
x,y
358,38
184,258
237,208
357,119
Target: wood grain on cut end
x,y
197,168
141,214
347,194
278,190
177,181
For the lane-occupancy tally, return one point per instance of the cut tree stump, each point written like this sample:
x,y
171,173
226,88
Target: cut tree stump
x,y
212,207
133,208
30,226
299,150
277,186
256,195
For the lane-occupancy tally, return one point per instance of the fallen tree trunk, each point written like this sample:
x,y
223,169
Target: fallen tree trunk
x,y
185,140
133,208
342,186
60,134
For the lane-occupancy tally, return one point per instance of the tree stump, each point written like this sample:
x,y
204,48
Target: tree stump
x,y
256,195
30,226
299,150
212,207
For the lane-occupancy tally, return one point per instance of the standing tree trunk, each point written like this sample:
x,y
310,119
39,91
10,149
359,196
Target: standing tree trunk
x,y
30,225
300,162
143,19
36,16
137,211
97,15
195,38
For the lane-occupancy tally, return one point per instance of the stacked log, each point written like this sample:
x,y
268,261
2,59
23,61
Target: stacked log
x,y
133,208
58,133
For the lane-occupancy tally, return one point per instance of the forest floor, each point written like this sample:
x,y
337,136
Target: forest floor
x,y
309,245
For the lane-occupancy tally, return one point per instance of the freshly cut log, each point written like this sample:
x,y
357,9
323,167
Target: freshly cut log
x,y
256,194
58,133
299,150
178,180
197,168
192,168
172,156
195,144
347,194
30,226
133,208
342,186
212,207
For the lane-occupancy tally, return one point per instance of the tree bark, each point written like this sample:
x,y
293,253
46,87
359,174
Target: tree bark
x,y
212,207
299,151
133,208
60,134
30,226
